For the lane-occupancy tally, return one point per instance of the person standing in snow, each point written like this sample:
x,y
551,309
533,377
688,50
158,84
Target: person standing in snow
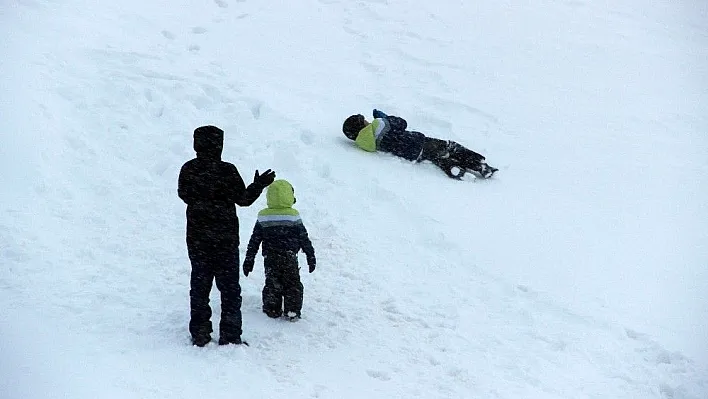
x,y
387,133
212,188
283,234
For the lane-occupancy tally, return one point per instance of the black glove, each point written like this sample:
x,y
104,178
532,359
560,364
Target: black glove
x,y
311,262
248,266
264,180
379,114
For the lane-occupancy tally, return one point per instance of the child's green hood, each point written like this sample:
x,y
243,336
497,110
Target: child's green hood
x,y
280,195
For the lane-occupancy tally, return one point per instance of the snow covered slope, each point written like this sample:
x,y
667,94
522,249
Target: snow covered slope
x,y
580,271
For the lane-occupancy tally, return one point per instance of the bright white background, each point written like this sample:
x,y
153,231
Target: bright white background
x,y
579,271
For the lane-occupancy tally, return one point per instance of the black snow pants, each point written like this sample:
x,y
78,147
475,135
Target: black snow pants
x,y
447,154
215,261
283,290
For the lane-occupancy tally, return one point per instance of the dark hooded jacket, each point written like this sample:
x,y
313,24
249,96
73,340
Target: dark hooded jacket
x,y
388,133
212,188
279,226
401,142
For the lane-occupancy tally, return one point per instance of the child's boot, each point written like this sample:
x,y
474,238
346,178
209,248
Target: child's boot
x,y
293,316
487,171
450,168
273,313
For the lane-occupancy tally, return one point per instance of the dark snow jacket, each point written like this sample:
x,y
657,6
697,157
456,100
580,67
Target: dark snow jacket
x,y
212,188
279,226
388,134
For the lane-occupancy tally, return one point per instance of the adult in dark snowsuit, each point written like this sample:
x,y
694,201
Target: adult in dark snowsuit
x,y
212,188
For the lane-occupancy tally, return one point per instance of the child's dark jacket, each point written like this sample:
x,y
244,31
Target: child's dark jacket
x,y
388,134
279,226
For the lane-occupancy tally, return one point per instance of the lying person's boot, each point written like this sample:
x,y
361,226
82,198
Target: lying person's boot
x,y
487,171
450,168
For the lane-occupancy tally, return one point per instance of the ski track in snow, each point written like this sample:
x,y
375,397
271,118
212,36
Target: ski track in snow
x,y
406,301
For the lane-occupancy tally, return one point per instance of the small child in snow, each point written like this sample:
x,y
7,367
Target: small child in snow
x,y
282,233
387,133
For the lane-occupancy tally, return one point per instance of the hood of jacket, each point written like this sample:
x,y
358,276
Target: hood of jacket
x,y
208,142
280,195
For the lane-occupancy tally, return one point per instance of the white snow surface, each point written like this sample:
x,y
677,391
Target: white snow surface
x,y
579,271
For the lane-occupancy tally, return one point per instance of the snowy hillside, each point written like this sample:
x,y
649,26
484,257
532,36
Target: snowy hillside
x,y
579,271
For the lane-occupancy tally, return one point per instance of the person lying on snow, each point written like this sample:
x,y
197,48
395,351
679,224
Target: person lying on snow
x,y
387,133
282,233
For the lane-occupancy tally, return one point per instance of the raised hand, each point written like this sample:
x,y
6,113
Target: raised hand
x,y
265,179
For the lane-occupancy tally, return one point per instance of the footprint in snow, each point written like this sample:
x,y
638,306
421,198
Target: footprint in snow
x,y
256,109
379,375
